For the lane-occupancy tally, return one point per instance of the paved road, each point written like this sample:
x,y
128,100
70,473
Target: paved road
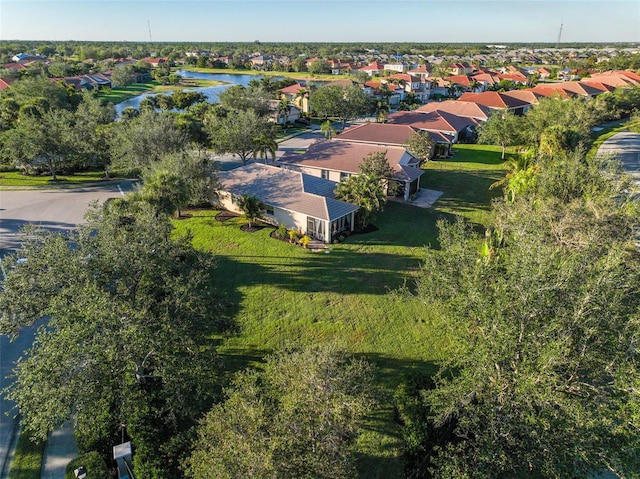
x,y
626,147
55,210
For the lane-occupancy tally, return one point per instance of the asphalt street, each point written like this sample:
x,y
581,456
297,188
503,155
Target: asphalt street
x,y
56,210
626,147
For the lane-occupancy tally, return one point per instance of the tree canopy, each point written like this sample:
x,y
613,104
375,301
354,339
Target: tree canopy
x,y
126,340
299,417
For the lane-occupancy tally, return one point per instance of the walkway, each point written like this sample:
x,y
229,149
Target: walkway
x,y
61,448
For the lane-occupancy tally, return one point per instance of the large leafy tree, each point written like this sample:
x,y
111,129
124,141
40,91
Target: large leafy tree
x,y
365,191
144,140
544,312
129,310
342,103
421,144
239,98
502,128
297,418
41,138
238,133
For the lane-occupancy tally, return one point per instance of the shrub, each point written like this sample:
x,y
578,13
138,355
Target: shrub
x,y
92,462
305,240
281,231
293,236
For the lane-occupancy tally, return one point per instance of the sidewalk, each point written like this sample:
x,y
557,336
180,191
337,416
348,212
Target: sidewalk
x,y
60,449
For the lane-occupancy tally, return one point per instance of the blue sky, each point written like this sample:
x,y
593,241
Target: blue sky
x,y
450,21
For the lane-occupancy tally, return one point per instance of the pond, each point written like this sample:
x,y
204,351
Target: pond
x,y
210,92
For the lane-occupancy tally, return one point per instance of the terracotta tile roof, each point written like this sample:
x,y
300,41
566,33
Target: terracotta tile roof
x,y
552,92
612,80
528,96
433,121
406,77
457,107
347,156
5,83
463,80
293,89
373,66
493,99
378,133
600,86
14,66
421,70
286,189
385,134
578,88
490,78
516,77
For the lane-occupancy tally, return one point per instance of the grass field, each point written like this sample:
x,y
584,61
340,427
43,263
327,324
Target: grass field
x,y
465,179
27,459
17,179
283,294
117,95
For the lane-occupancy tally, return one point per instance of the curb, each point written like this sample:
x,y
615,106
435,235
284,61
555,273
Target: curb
x,y
67,186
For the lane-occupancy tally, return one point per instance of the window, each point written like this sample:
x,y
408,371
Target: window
x,y
269,210
344,176
324,174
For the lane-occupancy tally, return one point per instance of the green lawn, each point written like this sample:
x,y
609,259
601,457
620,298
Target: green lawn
x,y
17,179
279,293
464,180
27,459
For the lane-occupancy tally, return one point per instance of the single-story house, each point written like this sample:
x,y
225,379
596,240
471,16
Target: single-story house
x,y
497,100
393,135
459,128
458,107
338,160
302,202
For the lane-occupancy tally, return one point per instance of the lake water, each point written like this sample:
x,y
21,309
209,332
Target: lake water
x,y
211,92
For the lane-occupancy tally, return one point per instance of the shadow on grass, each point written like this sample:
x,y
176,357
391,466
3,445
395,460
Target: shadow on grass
x,y
381,460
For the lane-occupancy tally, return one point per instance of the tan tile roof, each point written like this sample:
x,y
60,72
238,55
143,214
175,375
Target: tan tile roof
x,y
286,189
457,107
552,92
347,156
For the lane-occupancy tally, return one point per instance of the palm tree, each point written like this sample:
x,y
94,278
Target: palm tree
x,y
328,130
382,110
365,191
252,208
521,173
301,96
265,144
284,111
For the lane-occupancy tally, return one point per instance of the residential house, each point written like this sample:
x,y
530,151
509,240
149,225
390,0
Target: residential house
x,y
572,88
393,135
459,108
399,67
284,114
497,100
155,62
411,84
298,95
337,160
529,96
458,128
300,201
5,83
421,71
372,69
460,68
